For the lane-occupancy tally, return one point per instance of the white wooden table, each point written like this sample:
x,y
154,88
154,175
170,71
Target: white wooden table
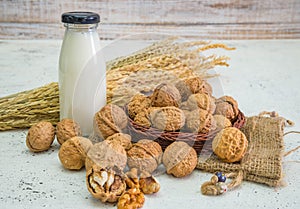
x,y
264,75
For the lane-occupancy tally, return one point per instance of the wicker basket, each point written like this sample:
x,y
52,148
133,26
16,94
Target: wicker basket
x,y
166,138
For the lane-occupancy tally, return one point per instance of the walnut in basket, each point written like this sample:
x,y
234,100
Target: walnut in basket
x,y
203,101
167,118
165,95
180,159
109,120
200,121
228,107
137,104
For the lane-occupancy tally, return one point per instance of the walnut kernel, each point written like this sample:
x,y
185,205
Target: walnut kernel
x,y
148,184
131,199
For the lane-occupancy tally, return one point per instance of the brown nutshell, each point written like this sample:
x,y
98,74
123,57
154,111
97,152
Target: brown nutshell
x,y
122,139
109,120
40,136
180,159
66,129
165,95
228,107
137,104
145,155
72,153
202,101
200,121
230,145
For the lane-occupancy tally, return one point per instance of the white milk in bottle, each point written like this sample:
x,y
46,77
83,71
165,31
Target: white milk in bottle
x,y
82,72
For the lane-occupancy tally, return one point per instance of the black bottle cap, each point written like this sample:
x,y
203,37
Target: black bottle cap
x,y
80,17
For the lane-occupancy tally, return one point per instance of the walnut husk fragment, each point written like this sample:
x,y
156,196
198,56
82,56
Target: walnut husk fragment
x,y
40,136
72,153
66,129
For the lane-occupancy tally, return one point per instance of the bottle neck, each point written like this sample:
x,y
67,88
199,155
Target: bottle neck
x,y
81,27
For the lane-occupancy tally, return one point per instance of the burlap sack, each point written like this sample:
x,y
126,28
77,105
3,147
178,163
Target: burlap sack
x,y
263,160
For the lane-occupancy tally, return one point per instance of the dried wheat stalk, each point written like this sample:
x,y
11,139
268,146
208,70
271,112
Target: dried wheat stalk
x,y
166,59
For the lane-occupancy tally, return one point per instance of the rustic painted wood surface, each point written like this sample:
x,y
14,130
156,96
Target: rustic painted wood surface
x,y
207,19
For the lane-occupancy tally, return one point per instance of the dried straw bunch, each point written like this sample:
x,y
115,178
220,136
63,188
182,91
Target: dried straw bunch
x,y
141,71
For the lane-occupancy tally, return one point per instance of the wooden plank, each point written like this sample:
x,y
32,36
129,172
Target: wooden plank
x,y
113,31
156,12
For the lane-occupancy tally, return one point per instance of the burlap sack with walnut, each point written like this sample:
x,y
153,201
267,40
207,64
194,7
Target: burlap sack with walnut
x,y
263,161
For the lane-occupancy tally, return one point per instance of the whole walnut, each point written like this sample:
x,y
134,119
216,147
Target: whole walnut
x,y
167,118
165,95
123,139
106,154
106,184
72,153
228,107
193,86
137,104
180,159
222,122
109,120
202,101
230,145
66,129
143,119
200,121
40,136
145,155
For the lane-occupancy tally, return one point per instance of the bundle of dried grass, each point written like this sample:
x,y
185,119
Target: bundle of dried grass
x,y
26,108
166,60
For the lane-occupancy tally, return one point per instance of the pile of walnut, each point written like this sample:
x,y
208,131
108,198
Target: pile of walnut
x,y
189,105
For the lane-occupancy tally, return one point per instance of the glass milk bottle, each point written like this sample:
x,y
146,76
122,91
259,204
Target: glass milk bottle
x,y
82,72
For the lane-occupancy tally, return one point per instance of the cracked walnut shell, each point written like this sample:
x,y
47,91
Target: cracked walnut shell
x,y
109,120
200,121
66,129
230,145
148,183
137,104
202,101
40,136
106,154
165,95
145,155
180,159
106,184
228,107
167,118
72,153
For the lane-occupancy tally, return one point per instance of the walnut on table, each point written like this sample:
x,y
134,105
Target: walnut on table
x,y
180,159
72,153
145,155
66,129
106,184
230,145
148,183
106,154
109,120
40,136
